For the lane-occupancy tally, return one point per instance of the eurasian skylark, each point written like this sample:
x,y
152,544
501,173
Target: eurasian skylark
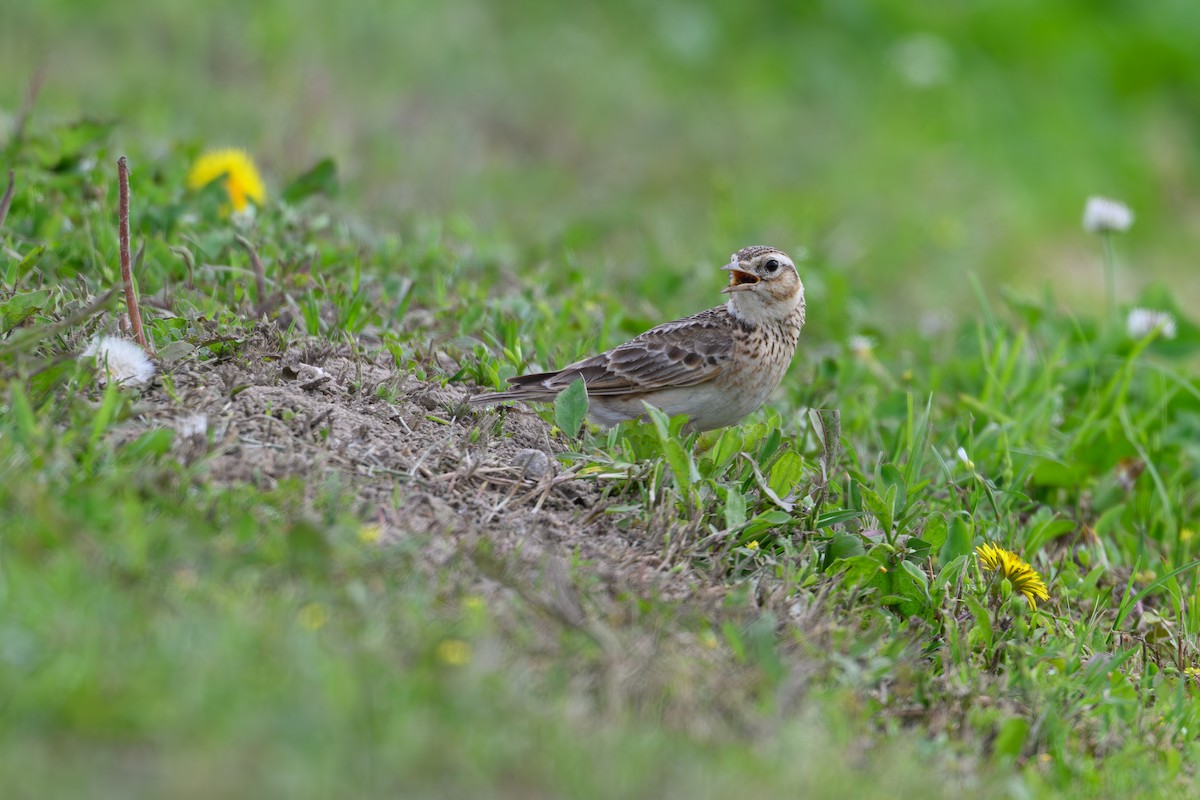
x,y
716,366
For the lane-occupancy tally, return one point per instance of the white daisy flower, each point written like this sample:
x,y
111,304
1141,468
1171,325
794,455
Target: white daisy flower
x,y
120,360
1141,321
1101,215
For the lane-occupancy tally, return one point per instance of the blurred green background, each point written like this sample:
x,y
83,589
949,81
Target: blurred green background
x,y
901,146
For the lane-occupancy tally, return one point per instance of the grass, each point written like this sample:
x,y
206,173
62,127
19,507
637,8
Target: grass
x,y
552,132
815,619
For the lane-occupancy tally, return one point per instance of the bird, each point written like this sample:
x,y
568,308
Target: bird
x,y
717,366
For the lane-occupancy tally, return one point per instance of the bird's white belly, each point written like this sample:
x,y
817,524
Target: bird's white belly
x,y
707,406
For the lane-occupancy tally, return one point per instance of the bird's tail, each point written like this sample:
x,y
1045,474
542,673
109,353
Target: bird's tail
x,y
495,397
525,389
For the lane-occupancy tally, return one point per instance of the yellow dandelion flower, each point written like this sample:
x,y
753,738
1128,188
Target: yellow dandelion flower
x,y
1024,578
242,183
454,652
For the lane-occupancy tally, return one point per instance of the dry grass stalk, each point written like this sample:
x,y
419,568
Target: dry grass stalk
x,y
260,279
6,201
131,301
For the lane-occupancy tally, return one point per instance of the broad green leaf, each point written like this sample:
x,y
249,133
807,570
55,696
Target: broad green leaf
x,y
106,414
21,307
786,473
765,487
836,517
681,463
683,467
770,445
918,549
27,263
841,546
958,542
321,178
571,407
22,412
1052,472
1110,522
918,577
1046,531
1010,740
950,573
150,445
864,571
735,507
891,478
983,621
765,521
733,638
727,447
936,531
876,505
660,421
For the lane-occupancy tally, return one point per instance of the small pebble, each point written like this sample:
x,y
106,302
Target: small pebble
x,y
534,464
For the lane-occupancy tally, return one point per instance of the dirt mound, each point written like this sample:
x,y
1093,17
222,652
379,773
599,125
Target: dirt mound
x,y
419,461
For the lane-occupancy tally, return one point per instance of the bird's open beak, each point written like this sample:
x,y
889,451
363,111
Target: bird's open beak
x,y
739,279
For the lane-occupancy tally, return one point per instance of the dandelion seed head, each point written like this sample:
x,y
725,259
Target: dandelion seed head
x,y
242,182
120,360
1141,322
1102,215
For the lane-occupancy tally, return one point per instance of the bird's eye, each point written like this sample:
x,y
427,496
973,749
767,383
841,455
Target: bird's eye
x,y
771,265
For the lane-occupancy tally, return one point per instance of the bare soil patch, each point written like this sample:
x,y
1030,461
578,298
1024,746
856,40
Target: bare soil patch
x,y
419,462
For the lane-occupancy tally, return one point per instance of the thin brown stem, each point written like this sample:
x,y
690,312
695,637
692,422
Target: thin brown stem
x,y
188,262
6,201
260,279
31,95
131,301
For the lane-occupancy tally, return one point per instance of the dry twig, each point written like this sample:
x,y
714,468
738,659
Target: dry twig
x,y
31,95
6,201
260,279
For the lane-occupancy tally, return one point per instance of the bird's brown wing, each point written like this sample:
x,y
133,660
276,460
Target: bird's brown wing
x,y
678,354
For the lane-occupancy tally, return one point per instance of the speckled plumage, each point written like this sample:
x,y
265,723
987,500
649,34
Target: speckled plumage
x,y
716,366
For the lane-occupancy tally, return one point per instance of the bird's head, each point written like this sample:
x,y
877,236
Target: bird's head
x,y
763,284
